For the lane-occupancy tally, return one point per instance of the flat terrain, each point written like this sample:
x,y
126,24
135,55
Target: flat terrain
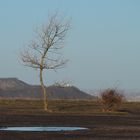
x,y
122,125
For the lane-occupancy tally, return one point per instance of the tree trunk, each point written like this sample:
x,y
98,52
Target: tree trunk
x,y
44,91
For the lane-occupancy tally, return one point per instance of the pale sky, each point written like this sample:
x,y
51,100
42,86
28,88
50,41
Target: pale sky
x,y
103,44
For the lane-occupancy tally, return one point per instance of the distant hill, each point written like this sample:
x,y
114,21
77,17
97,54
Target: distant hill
x,y
57,92
12,83
17,89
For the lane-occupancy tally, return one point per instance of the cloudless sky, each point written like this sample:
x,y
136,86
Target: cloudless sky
x,y
103,44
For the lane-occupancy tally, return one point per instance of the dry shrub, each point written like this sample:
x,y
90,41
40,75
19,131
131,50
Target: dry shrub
x,y
111,99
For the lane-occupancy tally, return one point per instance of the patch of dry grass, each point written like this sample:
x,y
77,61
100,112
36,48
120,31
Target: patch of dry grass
x,y
63,106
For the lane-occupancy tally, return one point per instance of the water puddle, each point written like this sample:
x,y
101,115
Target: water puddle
x,y
40,129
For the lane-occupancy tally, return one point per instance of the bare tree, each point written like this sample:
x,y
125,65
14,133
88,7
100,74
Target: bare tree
x,y
43,53
111,99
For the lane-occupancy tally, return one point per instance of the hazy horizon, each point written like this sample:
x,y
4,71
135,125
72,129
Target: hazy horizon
x,y
103,44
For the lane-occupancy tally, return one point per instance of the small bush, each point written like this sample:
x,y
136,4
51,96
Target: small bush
x,y
111,99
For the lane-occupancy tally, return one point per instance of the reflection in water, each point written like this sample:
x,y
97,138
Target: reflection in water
x,y
39,129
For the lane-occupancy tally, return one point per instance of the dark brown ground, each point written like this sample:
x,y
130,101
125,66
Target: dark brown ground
x,y
100,127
